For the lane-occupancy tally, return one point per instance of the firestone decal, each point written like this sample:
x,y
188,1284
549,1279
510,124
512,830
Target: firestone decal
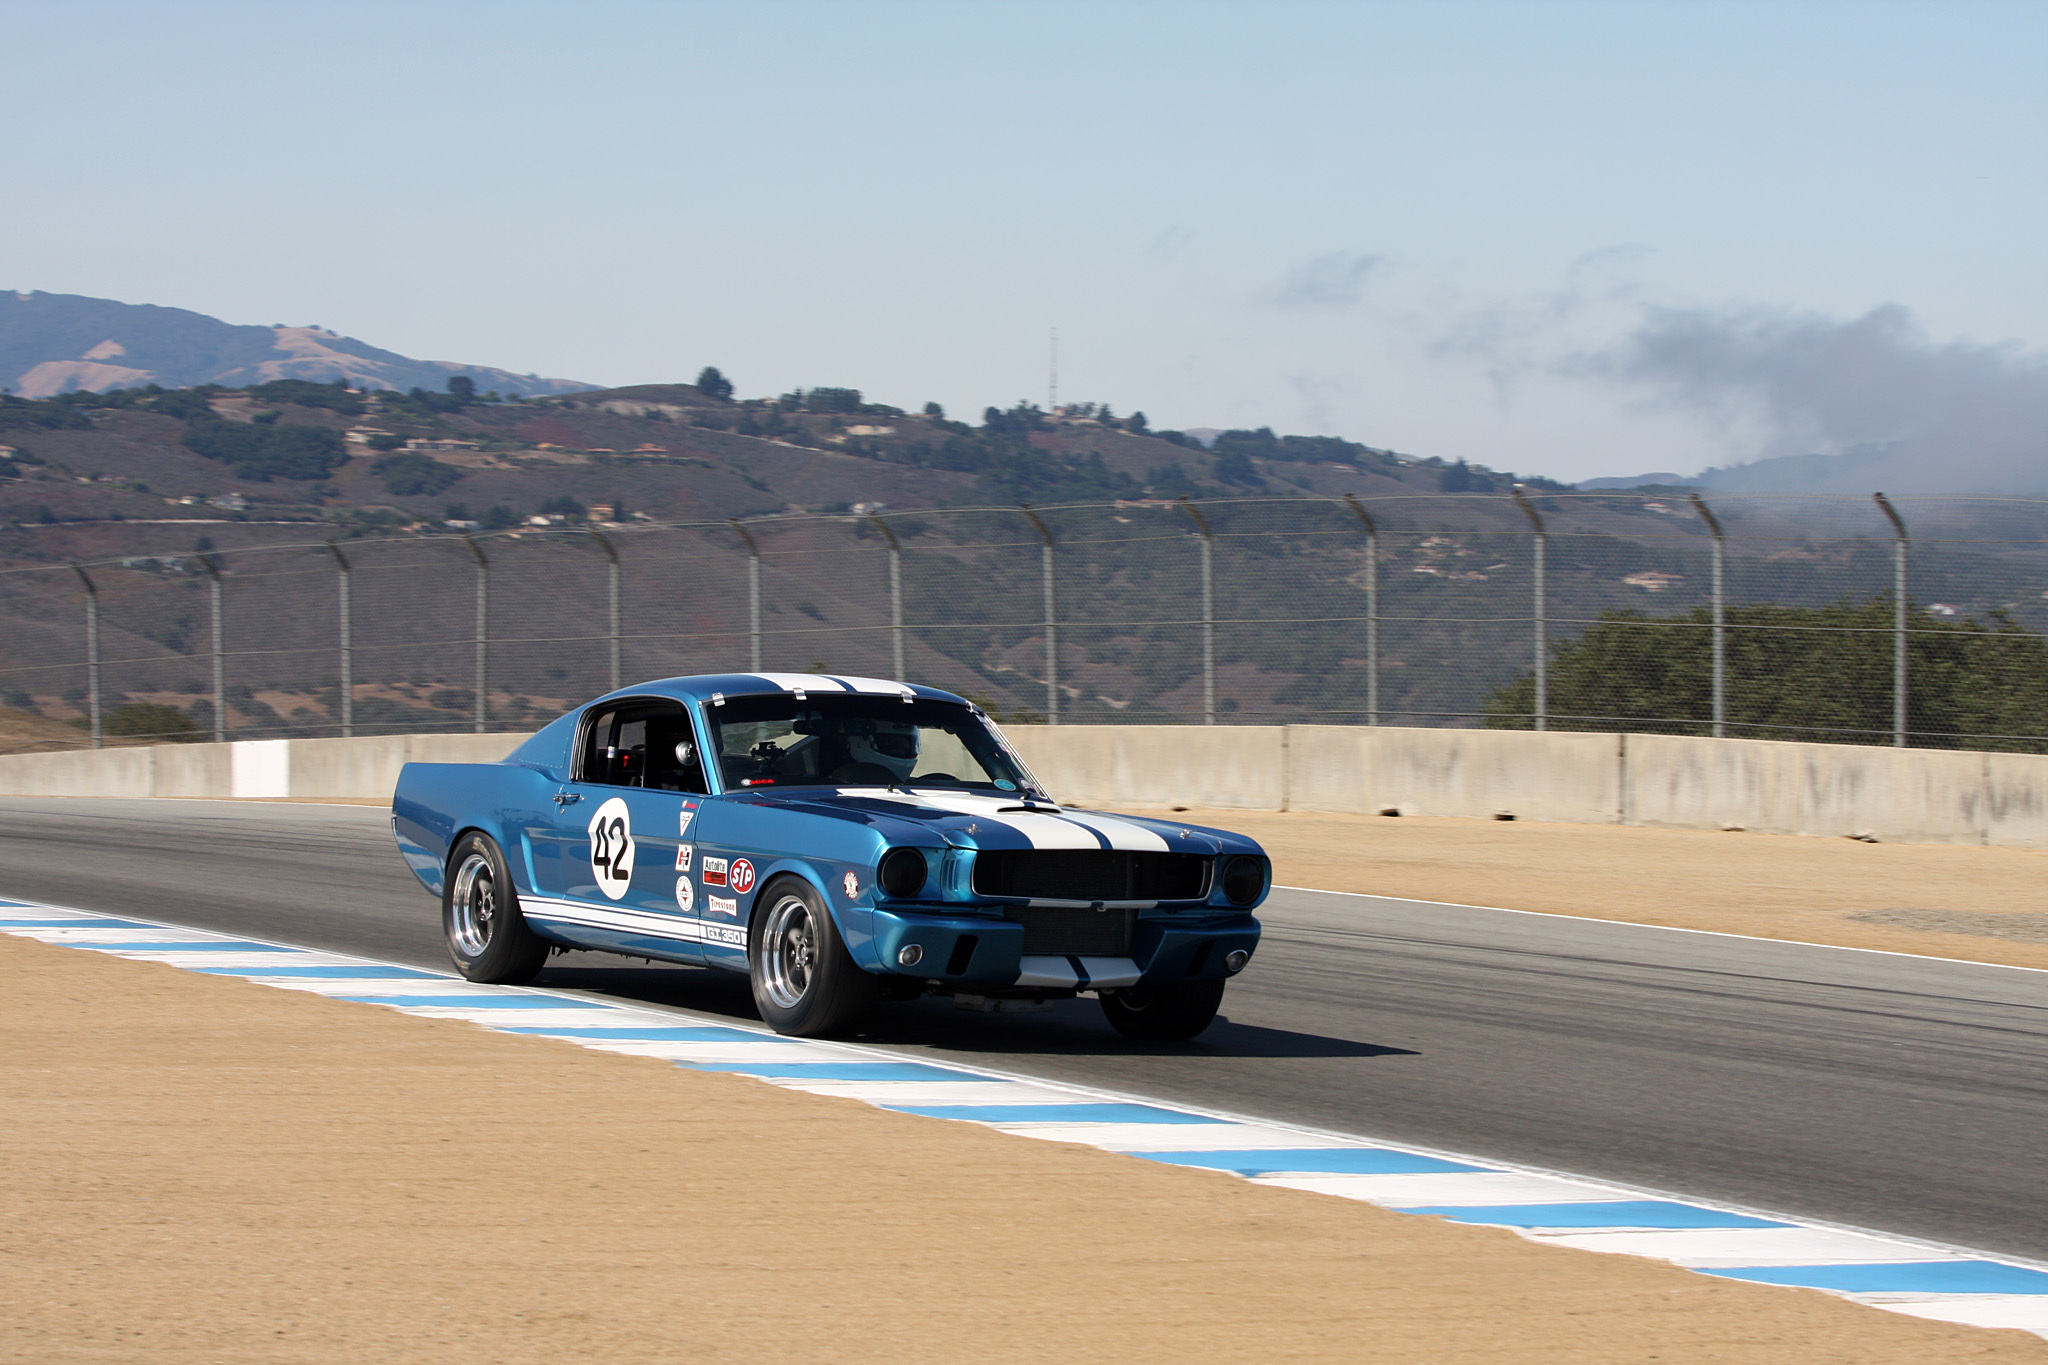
x,y
742,876
722,905
611,848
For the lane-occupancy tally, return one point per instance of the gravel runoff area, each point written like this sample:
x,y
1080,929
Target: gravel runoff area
x,y
1940,900
204,1170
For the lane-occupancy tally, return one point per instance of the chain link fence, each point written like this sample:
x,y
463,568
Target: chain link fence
x,y
1915,621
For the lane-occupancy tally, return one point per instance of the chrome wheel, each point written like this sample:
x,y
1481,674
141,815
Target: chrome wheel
x,y
473,906
789,951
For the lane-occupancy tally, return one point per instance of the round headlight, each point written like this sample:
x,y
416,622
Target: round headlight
x,y
1243,879
902,872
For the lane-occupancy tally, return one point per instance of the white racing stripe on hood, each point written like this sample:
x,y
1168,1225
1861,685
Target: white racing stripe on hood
x,y
1046,829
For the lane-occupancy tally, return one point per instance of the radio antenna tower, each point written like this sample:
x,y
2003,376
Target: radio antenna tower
x,y
1052,383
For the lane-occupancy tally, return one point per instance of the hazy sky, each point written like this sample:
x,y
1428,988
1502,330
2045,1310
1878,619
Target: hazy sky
x,y
1443,226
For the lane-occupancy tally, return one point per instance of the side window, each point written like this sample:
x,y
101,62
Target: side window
x,y
643,744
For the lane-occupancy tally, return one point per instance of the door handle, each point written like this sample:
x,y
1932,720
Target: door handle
x,y
567,798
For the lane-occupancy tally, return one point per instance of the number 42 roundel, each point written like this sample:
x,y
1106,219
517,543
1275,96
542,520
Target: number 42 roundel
x,y
611,848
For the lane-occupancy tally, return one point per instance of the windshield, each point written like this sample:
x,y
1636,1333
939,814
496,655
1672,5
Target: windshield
x,y
846,741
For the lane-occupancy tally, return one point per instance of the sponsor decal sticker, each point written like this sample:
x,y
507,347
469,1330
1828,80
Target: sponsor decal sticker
x,y
611,848
722,905
686,895
714,872
683,852
742,876
852,885
730,935
689,814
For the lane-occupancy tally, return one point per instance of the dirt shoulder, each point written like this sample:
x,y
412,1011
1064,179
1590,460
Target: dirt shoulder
x,y
1978,904
203,1170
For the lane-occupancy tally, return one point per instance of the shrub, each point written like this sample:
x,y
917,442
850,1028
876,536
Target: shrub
x,y
151,720
415,475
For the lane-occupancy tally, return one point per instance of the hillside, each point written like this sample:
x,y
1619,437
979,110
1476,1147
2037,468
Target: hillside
x,y
135,481
58,343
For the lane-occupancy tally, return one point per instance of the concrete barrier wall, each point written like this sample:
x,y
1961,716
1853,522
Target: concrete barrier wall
x,y
1227,767
1895,795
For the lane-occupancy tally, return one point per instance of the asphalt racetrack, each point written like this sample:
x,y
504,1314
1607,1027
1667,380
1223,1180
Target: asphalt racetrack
x,y
1895,1093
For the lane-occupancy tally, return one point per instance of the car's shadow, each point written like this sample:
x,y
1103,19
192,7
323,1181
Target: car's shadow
x,y
1072,1028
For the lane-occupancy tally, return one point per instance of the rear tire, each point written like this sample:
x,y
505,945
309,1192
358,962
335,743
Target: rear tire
x,y
487,936
1164,1014
805,983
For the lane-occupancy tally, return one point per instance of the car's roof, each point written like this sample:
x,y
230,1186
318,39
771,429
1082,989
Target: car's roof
x,y
707,686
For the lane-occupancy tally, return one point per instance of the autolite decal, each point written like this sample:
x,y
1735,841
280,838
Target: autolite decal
x,y
714,872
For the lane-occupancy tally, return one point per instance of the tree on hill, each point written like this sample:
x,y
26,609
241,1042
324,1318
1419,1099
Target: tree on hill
x,y
411,474
1801,673
712,384
266,452
307,394
463,388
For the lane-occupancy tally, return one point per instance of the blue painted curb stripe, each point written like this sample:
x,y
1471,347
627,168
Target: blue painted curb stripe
x,y
1606,1213
1900,1277
708,1034
839,1071
1049,1113
480,1002
1313,1161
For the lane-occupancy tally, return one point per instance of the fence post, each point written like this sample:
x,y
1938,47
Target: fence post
x,y
220,668
92,655
483,633
1208,543
348,674
1372,609
1899,584
1538,610
1699,504
1052,640
753,598
612,588
895,595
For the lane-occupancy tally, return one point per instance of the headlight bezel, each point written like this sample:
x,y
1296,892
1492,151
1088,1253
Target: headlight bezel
x,y
902,872
1242,880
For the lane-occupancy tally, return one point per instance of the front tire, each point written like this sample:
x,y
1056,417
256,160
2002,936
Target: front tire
x,y
487,936
1164,1014
805,983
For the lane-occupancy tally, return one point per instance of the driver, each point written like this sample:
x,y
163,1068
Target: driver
x,y
893,746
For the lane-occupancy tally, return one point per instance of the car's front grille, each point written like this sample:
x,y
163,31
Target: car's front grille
x,y
1061,930
1087,874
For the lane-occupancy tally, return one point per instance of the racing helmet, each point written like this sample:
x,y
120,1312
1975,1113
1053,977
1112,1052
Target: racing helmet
x,y
892,745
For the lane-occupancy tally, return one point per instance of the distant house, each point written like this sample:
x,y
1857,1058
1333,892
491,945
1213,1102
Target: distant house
x,y
233,502
423,443
648,448
604,511
869,431
460,524
1652,580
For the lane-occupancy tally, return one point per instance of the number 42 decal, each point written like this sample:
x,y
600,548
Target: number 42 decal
x,y
611,848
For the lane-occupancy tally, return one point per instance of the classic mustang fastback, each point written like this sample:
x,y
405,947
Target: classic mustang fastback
x,y
838,839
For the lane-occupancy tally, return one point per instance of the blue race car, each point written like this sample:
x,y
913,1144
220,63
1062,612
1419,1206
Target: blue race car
x,y
839,840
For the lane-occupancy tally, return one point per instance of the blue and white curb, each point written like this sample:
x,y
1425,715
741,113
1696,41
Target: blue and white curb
x,y
1904,1276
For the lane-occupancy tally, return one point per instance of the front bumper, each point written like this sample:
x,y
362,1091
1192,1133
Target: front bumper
x,y
974,951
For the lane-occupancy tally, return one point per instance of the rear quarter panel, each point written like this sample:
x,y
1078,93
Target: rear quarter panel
x,y
435,803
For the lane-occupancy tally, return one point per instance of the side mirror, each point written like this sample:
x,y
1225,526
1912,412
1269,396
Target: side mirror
x,y
685,752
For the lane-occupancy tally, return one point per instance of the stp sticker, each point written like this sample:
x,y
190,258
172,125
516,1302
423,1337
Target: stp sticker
x,y
852,885
714,872
611,848
686,895
683,852
742,876
689,813
722,905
